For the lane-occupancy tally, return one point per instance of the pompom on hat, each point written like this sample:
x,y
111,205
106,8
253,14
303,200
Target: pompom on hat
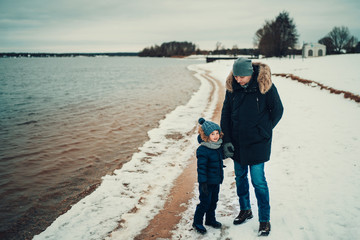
x,y
242,67
208,127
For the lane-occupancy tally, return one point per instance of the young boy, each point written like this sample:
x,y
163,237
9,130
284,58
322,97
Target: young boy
x,y
210,174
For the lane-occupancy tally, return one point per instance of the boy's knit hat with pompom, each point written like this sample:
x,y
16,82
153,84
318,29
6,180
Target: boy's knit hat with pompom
x,y
208,127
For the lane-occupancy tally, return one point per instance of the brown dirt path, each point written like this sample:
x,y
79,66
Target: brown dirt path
x,y
165,221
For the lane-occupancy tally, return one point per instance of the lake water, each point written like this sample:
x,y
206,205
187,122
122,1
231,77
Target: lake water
x,y
66,122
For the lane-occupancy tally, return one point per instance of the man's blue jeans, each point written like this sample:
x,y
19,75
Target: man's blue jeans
x,y
258,181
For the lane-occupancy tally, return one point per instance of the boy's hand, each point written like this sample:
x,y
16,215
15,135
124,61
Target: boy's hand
x,y
229,150
204,188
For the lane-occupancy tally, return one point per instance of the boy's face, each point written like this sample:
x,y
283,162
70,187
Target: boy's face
x,y
214,136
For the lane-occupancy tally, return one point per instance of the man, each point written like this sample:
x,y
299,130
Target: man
x,y
252,108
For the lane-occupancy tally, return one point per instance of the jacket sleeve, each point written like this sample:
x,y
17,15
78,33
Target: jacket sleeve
x,y
225,122
202,165
274,105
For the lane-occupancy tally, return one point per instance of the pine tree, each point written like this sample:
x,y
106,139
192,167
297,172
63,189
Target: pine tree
x,y
277,37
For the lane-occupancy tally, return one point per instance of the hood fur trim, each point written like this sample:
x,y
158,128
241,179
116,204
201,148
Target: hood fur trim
x,y
264,78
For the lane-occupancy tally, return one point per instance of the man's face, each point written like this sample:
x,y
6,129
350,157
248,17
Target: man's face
x,y
242,80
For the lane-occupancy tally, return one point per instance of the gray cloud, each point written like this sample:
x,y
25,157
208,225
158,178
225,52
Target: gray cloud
x,y
110,25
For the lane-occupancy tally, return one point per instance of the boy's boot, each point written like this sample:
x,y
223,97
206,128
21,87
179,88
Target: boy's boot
x,y
243,216
264,229
214,224
199,228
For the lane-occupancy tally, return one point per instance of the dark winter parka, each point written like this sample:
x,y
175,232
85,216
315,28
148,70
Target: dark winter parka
x,y
250,114
210,165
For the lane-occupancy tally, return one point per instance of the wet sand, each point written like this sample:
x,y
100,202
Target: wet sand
x,y
161,226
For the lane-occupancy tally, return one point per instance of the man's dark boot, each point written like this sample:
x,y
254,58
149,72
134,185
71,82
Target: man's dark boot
x,y
264,228
243,216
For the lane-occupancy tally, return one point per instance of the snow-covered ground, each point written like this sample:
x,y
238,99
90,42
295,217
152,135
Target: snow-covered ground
x,y
314,171
313,174
338,71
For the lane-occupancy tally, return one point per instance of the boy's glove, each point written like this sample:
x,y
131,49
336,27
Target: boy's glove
x,y
229,150
204,188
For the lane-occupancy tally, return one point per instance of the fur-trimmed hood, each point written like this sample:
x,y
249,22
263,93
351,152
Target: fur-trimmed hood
x,y
263,79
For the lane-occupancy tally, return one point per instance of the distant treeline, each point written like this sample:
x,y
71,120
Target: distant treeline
x,y
118,54
169,49
182,49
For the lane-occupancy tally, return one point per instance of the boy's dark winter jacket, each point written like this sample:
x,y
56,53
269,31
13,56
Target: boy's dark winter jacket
x,y
210,165
250,114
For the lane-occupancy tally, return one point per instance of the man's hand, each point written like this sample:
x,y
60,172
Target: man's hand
x,y
229,150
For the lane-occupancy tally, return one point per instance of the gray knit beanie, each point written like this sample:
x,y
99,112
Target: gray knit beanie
x,y
242,67
208,127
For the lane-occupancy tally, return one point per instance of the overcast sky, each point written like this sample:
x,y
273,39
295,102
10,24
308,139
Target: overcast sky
x,y
131,25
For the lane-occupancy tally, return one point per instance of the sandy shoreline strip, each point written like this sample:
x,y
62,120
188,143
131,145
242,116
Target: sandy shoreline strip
x,y
161,226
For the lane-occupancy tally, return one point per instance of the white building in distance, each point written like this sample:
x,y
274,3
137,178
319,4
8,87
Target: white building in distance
x,y
313,50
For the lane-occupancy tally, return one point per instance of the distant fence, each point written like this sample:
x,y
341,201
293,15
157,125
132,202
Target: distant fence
x,y
214,58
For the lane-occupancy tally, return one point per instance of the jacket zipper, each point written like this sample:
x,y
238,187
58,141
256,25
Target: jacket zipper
x,y
257,103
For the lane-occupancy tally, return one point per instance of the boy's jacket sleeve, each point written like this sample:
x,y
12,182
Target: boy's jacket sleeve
x,y
202,162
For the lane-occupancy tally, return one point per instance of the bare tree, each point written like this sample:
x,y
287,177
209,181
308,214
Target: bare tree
x,y
264,39
234,50
350,46
357,47
338,40
340,36
327,41
218,46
